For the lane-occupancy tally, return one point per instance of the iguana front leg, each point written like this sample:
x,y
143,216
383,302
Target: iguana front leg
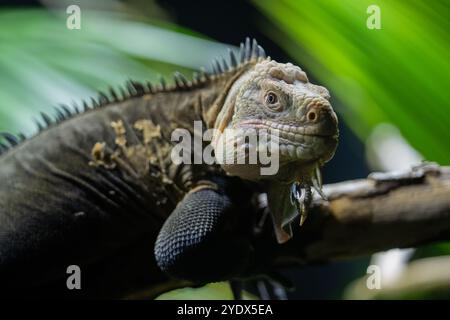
x,y
207,236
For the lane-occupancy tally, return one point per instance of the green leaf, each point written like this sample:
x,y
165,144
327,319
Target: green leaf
x,y
44,63
398,74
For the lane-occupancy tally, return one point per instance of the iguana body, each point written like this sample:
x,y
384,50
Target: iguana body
x,y
89,188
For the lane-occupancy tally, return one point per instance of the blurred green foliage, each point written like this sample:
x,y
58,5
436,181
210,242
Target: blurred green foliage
x,y
399,74
219,290
43,63
212,291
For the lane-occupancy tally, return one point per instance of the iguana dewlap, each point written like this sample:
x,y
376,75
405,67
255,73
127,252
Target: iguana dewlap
x,y
93,181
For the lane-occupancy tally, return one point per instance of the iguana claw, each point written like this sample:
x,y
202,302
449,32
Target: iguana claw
x,y
301,195
317,183
301,199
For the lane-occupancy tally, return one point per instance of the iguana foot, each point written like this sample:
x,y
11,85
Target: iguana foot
x,y
205,239
301,194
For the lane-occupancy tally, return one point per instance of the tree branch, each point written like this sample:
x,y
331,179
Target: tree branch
x,y
361,217
389,210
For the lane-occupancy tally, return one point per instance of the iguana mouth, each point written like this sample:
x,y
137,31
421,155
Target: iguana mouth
x,y
296,142
288,132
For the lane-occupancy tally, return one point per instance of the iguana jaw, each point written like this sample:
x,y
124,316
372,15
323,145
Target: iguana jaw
x,y
300,150
300,144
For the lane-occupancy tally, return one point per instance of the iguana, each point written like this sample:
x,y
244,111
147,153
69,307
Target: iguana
x,y
97,186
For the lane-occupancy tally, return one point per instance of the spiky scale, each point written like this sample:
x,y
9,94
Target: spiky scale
x,y
113,94
217,65
195,78
21,137
150,88
38,125
138,87
184,80
248,49
180,80
225,65
214,69
162,81
11,139
233,60
261,52
241,53
130,88
103,98
94,103
254,49
123,93
75,108
203,74
85,106
176,81
46,118
59,115
66,110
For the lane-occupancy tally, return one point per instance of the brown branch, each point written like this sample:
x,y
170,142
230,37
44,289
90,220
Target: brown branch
x,y
385,211
361,217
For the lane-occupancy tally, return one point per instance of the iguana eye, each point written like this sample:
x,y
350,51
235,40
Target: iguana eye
x,y
273,101
271,98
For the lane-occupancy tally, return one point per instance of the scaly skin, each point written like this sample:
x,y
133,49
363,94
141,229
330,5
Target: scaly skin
x,y
92,185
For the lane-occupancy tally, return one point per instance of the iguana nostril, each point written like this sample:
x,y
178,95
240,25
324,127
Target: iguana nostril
x,y
312,116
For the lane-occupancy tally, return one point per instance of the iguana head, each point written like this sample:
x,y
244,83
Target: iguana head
x,y
277,99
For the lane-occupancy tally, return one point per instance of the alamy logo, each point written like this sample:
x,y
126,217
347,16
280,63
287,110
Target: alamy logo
x,y
232,146
74,19
374,279
74,280
373,21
